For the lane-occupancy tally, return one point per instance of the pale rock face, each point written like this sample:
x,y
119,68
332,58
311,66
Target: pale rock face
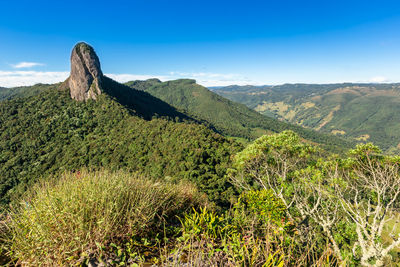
x,y
86,76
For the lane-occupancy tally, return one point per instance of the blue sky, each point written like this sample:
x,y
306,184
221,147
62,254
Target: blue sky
x,y
214,42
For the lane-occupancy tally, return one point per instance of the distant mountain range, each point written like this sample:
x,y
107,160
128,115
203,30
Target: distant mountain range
x,y
359,112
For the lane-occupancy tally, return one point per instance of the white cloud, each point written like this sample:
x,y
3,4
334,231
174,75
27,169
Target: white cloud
x,y
25,78
214,79
204,75
379,79
23,65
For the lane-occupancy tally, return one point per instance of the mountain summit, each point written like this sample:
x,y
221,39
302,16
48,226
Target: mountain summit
x,y
85,81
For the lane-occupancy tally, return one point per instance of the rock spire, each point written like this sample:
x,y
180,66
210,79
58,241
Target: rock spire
x,y
85,80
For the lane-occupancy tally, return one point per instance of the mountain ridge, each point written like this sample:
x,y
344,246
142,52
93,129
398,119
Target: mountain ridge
x,y
227,117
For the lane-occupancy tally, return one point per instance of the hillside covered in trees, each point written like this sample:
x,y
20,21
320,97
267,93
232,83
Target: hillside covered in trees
x,y
227,117
51,133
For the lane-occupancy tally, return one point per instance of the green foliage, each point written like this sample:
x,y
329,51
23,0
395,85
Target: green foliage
x,y
262,206
225,116
287,144
254,232
365,150
205,224
270,163
254,209
82,215
51,133
337,201
24,91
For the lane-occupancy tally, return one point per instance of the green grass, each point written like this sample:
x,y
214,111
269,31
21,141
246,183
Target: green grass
x,y
81,215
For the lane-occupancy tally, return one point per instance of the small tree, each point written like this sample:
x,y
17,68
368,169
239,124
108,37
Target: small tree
x,y
289,168
362,190
315,198
270,161
370,199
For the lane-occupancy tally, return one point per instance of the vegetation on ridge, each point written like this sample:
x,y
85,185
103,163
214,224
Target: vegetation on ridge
x,y
24,91
51,133
227,117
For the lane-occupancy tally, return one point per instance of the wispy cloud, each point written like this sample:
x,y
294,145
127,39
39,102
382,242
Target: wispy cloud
x,y
25,78
214,79
23,65
379,79
204,75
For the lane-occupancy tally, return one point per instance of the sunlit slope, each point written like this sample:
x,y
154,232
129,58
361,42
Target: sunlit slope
x,y
360,112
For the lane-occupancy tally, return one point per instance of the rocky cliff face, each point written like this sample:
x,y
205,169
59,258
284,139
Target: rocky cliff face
x,y
85,81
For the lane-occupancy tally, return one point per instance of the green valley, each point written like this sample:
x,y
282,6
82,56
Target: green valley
x,y
360,112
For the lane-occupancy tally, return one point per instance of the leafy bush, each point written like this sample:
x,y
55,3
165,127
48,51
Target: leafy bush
x,y
204,224
82,215
260,209
254,232
346,203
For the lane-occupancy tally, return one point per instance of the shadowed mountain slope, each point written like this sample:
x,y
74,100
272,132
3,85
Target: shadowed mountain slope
x,y
227,117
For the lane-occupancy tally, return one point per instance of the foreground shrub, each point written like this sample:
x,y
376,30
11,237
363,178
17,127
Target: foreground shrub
x,y
254,232
83,215
259,208
351,204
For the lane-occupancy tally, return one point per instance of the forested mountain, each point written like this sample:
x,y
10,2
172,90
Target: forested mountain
x,y
187,100
51,133
23,91
227,117
361,112
44,131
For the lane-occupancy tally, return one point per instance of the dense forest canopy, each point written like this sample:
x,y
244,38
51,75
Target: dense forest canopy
x,y
51,133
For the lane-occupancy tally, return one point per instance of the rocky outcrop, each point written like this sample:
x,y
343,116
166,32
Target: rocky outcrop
x,y
85,80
